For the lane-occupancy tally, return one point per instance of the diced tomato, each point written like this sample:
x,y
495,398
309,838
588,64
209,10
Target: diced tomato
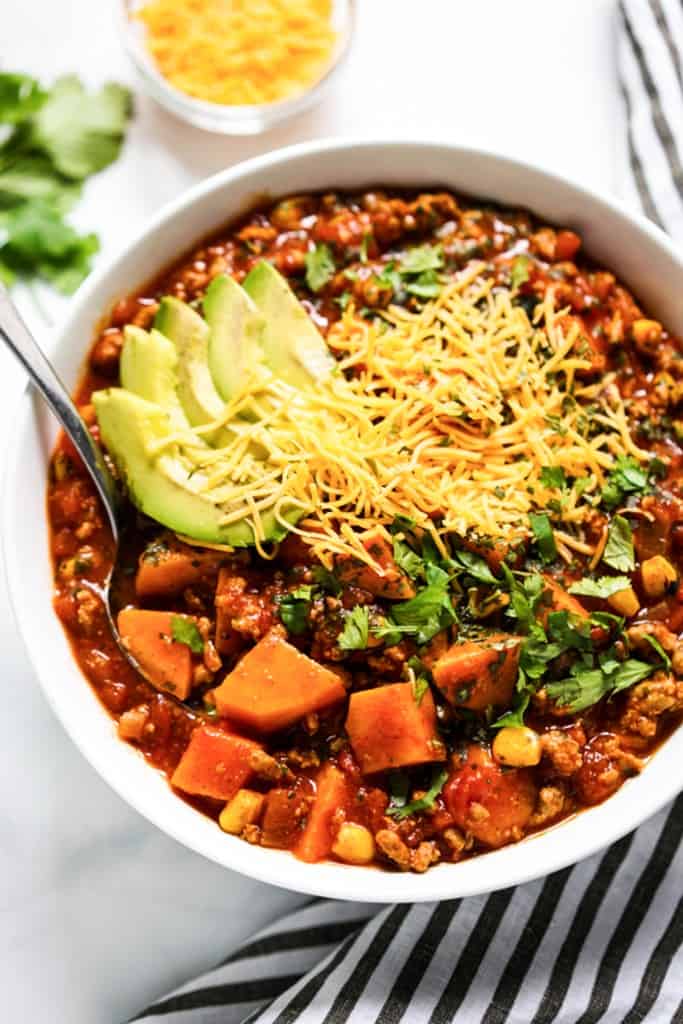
x,y
492,803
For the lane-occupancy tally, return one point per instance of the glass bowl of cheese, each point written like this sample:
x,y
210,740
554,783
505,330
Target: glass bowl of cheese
x,y
237,67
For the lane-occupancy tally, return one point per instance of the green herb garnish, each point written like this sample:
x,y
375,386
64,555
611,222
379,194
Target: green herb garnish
x,y
293,609
420,687
601,588
627,478
553,476
56,139
619,553
421,259
587,685
354,635
327,580
425,803
184,631
430,611
543,534
519,273
320,267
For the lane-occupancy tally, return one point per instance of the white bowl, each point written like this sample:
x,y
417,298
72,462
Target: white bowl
x,y
627,244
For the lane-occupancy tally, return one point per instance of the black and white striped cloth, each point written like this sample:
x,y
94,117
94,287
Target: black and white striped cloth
x,y
602,941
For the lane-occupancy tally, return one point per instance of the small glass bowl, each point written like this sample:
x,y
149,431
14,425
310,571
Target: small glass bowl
x,y
218,117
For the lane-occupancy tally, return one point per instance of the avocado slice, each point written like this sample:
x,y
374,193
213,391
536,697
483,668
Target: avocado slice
x,y
293,347
164,486
149,368
196,389
235,331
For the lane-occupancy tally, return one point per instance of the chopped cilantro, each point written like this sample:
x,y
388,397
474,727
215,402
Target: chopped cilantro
x,y
515,716
619,553
401,524
421,259
367,237
475,566
587,685
320,267
354,635
553,476
425,803
327,580
655,644
627,478
543,533
519,273
407,559
425,286
390,277
184,631
293,609
525,596
430,611
420,687
601,588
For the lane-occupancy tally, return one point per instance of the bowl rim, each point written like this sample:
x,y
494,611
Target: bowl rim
x,y
591,830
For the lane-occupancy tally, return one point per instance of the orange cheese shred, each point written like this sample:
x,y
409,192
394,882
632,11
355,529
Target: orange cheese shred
x,y
239,52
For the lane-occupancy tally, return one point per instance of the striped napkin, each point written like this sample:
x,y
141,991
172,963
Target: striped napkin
x,y
602,941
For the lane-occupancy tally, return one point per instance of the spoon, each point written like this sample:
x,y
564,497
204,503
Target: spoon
x,y
21,342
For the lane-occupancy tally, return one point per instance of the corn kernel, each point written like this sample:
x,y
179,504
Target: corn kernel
x,y
658,574
354,844
647,335
517,746
625,602
244,809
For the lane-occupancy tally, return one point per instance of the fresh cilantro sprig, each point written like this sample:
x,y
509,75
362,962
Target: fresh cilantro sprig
x,y
628,478
519,273
423,616
54,139
619,553
543,535
553,477
399,810
294,607
355,634
320,267
601,588
588,681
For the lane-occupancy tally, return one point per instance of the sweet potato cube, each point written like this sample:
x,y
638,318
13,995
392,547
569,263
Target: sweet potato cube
x,y
215,764
331,795
164,570
389,582
478,674
556,599
388,728
274,685
148,635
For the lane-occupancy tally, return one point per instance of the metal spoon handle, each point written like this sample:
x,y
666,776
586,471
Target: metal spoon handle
x,y
21,342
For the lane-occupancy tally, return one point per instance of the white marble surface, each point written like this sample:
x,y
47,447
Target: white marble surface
x,y
99,912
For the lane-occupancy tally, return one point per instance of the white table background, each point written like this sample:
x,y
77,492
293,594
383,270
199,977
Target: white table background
x,y
99,912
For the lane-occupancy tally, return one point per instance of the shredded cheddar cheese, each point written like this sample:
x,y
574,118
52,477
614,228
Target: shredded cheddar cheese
x,y
239,52
447,415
